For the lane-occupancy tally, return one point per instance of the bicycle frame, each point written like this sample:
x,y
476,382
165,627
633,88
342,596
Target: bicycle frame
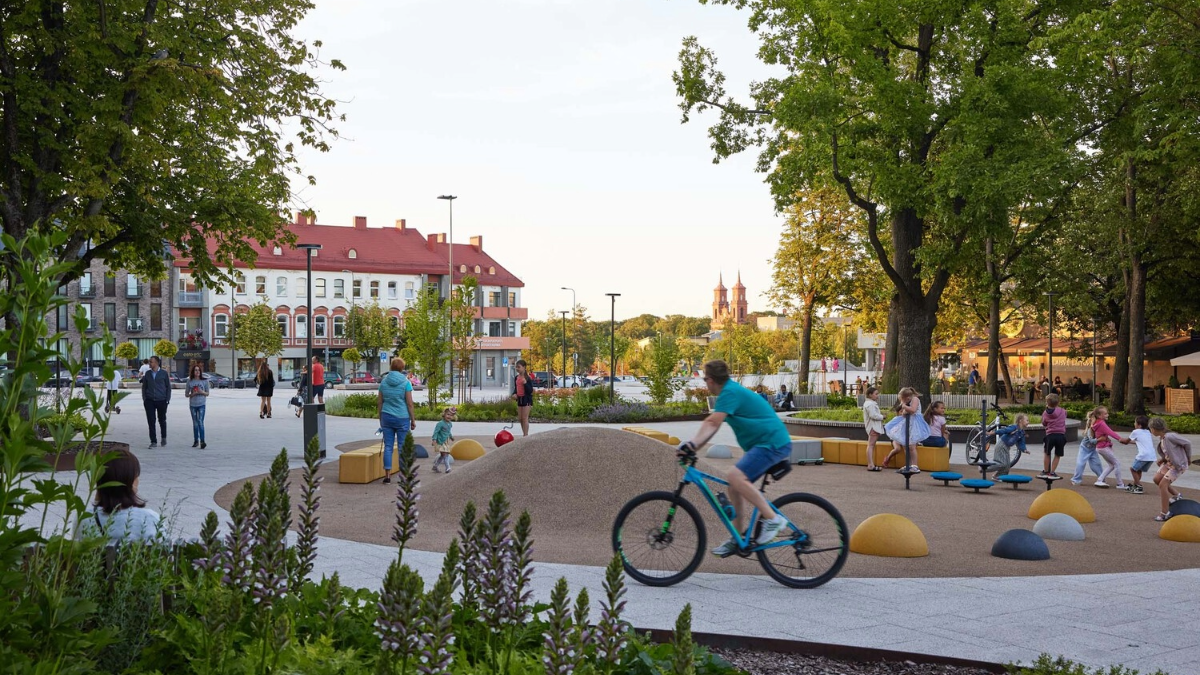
x,y
698,478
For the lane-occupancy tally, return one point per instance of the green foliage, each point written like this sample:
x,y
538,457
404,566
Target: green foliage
x,y
256,331
1048,665
643,657
663,361
840,401
372,330
426,349
353,356
166,349
126,350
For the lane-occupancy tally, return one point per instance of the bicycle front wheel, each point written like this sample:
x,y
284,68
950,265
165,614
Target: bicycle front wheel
x,y
816,543
974,445
660,538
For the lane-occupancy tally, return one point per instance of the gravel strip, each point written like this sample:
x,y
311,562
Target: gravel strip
x,y
774,663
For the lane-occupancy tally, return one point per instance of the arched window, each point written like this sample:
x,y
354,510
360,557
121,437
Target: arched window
x,y
491,270
301,326
477,269
220,326
352,254
282,320
277,251
462,268
339,327
318,326
260,285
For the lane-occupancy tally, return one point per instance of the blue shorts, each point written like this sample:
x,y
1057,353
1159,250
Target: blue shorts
x,y
935,442
1143,466
758,459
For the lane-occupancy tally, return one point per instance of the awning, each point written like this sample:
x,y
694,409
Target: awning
x,y
1192,359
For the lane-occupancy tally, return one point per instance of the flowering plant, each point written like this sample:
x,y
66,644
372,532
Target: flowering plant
x,y
193,340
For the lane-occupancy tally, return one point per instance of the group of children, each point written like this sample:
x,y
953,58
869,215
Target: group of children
x,y
1156,445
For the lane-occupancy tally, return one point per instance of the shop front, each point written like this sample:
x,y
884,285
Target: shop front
x,y
186,358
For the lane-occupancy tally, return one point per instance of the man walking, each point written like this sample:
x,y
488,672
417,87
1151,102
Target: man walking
x,y
318,380
156,395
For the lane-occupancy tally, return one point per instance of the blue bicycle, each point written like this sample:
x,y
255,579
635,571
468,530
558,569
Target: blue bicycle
x,y
658,548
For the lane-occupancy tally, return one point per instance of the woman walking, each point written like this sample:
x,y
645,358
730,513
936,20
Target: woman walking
x,y
266,389
522,393
396,417
197,395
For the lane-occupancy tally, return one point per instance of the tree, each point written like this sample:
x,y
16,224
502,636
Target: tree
x,y
810,264
165,349
426,348
462,312
353,356
916,111
258,332
126,351
136,125
372,331
662,360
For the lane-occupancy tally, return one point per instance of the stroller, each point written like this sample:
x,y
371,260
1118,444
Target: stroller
x,y
297,402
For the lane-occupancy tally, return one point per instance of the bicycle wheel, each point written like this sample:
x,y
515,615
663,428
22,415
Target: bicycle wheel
x,y
973,447
821,543
650,555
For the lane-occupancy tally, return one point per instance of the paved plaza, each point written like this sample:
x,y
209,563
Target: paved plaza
x,y
1138,619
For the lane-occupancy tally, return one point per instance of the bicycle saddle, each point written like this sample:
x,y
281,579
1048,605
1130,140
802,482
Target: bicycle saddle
x,y
780,470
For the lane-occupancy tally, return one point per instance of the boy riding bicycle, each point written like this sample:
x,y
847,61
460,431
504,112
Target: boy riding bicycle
x,y
762,435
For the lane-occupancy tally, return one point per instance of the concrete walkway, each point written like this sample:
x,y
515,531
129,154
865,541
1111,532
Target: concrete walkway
x,y
1140,620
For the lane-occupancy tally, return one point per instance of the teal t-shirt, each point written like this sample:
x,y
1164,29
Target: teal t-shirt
x,y
753,421
393,388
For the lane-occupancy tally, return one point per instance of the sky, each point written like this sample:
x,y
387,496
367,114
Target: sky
x,y
557,125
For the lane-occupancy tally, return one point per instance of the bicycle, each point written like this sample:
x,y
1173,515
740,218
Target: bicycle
x,y
801,557
977,440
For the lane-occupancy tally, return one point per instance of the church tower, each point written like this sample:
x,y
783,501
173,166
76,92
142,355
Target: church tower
x,y
720,305
739,307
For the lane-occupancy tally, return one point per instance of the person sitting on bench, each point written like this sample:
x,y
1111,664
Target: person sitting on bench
x,y
784,400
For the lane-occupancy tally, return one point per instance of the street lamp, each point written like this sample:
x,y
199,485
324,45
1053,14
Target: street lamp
x,y
1050,368
450,288
1095,383
353,320
612,349
310,412
564,329
574,307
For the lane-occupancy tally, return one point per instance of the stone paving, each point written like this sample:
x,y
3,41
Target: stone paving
x,y
1141,620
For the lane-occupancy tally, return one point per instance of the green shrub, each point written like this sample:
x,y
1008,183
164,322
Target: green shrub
x,y
838,401
1048,665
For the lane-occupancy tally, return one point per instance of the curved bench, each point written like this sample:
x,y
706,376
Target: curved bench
x,y
977,484
1015,480
945,477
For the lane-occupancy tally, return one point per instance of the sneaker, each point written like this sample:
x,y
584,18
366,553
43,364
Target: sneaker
x,y
1076,482
725,550
1052,474
1100,484
771,529
195,444
164,443
1137,489
203,445
914,469
1123,488
1044,475
387,479
1173,499
153,444
447,471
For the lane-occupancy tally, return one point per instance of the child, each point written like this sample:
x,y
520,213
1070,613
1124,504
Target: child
x,y
908,410
1146,453
1054,419
1087,456
935,417
873,422
1104,435
441,438
1006,440
1174,455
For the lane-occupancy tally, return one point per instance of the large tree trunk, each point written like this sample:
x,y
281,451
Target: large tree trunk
x,y
1012,392
1120,369
805,346
1136,294
993,367
915,323
889,377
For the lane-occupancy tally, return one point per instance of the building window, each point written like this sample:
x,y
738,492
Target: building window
x,y
110,315
260,285
87,311
156,316
512,329
319,287
339,327
339,288
63,318
512,298
302,287
393,293
281,286
221,326
282,320
395,321
493,329
132,288
352,254
110,285
156,289
374,289
276,251
462,269
493,299
491,367
357,286
240,284
492,270
133,310
477,269
301,327
319,326
409,290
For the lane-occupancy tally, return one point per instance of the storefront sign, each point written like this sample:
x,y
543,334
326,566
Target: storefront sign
x,y
191,355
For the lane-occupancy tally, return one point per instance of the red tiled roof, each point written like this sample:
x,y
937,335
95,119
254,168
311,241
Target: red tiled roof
x,y
389,250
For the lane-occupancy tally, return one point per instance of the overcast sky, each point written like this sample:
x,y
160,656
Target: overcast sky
x,y
556,124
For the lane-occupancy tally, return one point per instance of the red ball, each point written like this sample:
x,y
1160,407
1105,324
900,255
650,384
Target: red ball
x,y
503,437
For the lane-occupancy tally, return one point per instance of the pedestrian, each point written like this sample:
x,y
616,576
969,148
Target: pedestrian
x,y
121,515
873,423
443,433
935,417
197,395
907,426
396,416
156,396
1008,439
1054,444
113,385
522,393
265,379
318,380
301,390
973,379
1174,456
145,367
1097,421
1146,453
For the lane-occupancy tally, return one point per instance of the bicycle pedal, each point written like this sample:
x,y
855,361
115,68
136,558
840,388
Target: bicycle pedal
x,y
743,553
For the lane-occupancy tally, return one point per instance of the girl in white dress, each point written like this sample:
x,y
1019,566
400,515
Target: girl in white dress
x,y
908,406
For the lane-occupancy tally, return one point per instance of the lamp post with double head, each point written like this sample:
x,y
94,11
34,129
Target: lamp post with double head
x,y
312,427
612,349
450,288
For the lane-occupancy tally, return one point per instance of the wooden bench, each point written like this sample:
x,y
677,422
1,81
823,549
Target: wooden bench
x,y
653,433
841,451
364,465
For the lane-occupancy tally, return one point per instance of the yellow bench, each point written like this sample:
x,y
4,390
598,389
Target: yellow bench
x,y
837,451
649,433
364,466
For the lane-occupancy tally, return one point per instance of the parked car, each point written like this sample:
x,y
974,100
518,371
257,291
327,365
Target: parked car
x,y
332,378
604,379
217,381
84,379
571,381
362,377
541,379
58,382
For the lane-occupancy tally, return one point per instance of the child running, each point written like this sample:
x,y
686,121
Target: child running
x,y
1054,419
1146,453
1174,455
441,438
873,422
1097,421
908,407
1008,439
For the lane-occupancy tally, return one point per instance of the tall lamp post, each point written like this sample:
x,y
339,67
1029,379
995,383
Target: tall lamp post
x,y
450,289
1050,368
564,330
612,349
232,314
574,307
349,333
311,425
1095,383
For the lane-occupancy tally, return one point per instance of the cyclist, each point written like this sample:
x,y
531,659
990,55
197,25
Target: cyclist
x,y
759,431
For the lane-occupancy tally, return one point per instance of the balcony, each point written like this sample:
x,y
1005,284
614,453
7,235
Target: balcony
x,y
87,291
190,299
133,291
134,325
512,313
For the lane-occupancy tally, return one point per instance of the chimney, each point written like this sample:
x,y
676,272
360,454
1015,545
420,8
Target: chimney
x,y
441,238
430,240
360,222
477,244
400,225
301,219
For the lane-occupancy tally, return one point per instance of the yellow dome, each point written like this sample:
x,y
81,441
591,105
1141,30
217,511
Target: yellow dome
x,y
889,535
1062,501
1183,528
466,450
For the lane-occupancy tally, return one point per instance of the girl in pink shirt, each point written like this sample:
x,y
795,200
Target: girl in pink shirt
x,y
1104,435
